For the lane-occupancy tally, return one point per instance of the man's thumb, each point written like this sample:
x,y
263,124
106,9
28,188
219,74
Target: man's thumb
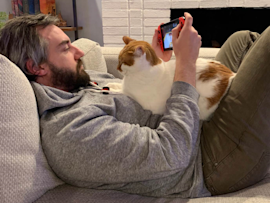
x,y
189,19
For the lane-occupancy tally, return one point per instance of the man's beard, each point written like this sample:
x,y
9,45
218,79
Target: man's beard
x,y
67,79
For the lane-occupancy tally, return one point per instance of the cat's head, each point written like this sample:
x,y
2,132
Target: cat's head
x,y
136,52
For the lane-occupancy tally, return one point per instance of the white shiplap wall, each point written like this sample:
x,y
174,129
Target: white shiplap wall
x,y
139,18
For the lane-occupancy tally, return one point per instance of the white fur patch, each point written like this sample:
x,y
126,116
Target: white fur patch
x,y
148,85
205,111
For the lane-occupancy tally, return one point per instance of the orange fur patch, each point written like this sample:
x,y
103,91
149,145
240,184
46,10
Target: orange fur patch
x,y
213,71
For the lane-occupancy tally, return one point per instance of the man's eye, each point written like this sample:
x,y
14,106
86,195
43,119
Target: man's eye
x,y
67,48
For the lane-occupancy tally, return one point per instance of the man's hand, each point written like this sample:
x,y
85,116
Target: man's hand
x,y
166,55
186,45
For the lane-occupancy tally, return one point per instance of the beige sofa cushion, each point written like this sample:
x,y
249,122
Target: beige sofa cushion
x,y
24,172
259,193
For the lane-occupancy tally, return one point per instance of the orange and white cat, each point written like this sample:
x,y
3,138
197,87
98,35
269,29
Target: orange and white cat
x,y
148,80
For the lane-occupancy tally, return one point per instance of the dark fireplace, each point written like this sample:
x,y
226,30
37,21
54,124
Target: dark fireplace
x,y
216,25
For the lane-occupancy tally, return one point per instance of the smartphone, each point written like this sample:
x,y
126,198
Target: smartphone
x,y
166,33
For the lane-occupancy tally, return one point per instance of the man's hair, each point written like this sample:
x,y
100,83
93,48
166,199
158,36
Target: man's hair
x,y
20,41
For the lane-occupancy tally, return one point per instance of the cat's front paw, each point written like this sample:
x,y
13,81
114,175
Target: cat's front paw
x,y
114,87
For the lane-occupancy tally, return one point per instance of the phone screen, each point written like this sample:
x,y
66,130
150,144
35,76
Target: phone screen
x,y
166,31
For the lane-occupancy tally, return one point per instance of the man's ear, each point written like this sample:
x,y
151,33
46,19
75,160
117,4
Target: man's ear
x,y
36,70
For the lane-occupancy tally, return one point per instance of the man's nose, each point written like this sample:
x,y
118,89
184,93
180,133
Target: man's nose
x,y
78,53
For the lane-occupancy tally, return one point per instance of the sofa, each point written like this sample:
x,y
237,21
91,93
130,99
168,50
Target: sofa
x,y
25,175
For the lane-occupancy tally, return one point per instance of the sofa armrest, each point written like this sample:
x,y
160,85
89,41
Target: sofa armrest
x,y
111,57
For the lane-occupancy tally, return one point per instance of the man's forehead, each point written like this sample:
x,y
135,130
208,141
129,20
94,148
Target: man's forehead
x,y
53,34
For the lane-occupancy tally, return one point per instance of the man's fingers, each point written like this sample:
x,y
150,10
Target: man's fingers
x,y
155,37
189,19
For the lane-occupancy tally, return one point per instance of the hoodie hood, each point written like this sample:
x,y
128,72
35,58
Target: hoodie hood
x,y
49,98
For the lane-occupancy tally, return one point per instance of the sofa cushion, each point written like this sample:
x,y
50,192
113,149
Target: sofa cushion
x,y
93,58
24,173
66,193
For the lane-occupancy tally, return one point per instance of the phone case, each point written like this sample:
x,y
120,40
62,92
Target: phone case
x,y
160,40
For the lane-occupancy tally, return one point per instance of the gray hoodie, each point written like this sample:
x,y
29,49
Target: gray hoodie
x,y
103,141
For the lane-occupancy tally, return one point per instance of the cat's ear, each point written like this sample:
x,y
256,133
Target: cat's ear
x,y
127,39
139,51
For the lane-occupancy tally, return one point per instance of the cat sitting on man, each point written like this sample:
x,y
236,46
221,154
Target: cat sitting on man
x,y
148,79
